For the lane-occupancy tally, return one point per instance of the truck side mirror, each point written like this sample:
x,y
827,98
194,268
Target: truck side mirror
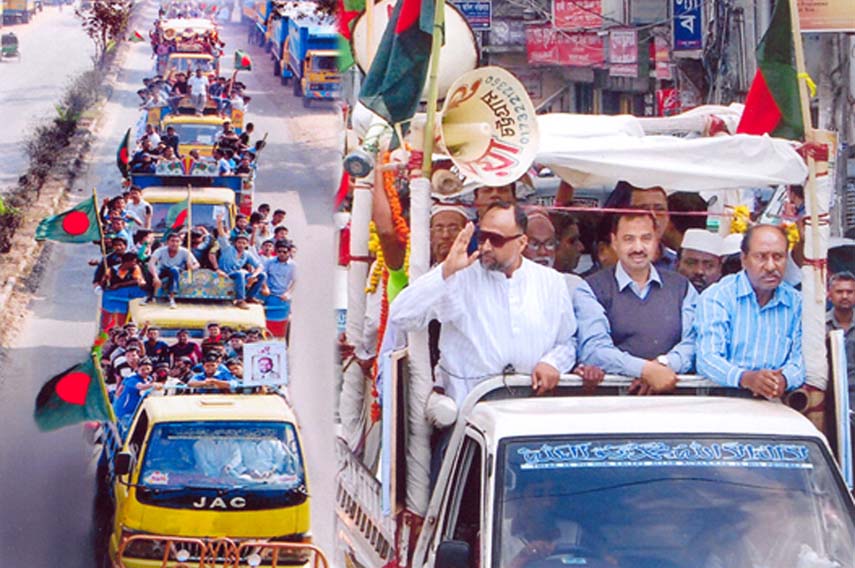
x,y
122,463
453,554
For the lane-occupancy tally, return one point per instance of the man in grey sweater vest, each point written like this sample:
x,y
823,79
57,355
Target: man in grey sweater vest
x,y
634,320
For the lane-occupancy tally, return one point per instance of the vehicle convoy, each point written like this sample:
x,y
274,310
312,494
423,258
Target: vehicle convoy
x,y
313,61
207,480
611,481
202,176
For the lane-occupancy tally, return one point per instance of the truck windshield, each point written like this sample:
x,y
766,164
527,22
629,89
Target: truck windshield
x,y
196,134
225,455
666,503
189,64
204,214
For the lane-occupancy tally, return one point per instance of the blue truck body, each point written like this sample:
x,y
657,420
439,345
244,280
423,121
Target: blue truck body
x,y
312,84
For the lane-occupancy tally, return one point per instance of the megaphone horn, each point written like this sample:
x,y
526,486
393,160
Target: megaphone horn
x,y
169,33
360,162
488,126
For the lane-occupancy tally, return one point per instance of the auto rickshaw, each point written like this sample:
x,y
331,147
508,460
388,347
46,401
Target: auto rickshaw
x,y
9,46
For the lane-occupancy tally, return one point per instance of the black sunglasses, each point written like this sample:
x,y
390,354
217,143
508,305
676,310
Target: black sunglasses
x,y
496,240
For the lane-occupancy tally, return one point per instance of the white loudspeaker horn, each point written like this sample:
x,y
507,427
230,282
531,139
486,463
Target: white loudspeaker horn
x,y
488,127
371,129
445,183
458,55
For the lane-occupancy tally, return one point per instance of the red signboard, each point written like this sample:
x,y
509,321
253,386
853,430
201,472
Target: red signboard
x,y
662,58
548,46
577,14
667,102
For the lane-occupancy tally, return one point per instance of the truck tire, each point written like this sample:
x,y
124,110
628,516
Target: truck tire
x,y
277,68
298,91
285,80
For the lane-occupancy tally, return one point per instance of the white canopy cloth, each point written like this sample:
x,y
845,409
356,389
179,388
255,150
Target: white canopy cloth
x,y
595,151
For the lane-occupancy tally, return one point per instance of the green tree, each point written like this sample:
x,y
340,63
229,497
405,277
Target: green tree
x,y
105,22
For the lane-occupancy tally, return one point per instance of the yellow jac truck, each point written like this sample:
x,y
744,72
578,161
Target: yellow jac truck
x,y
213,480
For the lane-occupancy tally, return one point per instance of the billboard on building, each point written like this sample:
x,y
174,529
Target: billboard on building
x,y
688,25
623,52
577,14
478,14
547,46
827,15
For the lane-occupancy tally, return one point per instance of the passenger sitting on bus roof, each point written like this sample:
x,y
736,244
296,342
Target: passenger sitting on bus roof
x,y
201,242
129,393
198,84
214,335
233,261
168,155
635,320
749,324
244,166
498,309
241,227
245,135
212,378
224,168
145,166
542,245
280,233
155,349
280,274
277,219
267,249
235,367
151,135
258,229
127,275
183,347
138,209
700,259
235,345
167,263
841,294
171,139
118,229
118,247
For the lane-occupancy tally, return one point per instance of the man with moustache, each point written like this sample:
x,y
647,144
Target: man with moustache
x,y
841,294
749,324
700,258
498,310
446,222
635,320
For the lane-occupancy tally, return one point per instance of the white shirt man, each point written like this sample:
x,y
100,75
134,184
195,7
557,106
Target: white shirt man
x,y
502,311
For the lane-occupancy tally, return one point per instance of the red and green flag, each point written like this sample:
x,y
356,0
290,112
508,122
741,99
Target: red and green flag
x,y
77,225
123,154
136,37
176,216
393,86
347,12
773,105
78,394
242,61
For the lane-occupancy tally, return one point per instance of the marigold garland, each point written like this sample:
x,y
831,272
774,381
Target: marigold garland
x,y
741,219
381,331
402,230
375,249
792,231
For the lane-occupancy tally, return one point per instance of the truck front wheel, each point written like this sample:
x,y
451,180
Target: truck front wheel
x,y
277,68
298,91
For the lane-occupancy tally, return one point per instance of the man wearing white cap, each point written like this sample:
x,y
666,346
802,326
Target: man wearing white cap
x,y
700,258
446,221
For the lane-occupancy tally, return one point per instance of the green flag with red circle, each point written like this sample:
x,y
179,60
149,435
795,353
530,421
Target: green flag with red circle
x,y
242,61
123,154
77,225
176,216
76,395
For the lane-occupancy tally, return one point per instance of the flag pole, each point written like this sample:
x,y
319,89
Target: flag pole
x,y
103,386
433,84
810,187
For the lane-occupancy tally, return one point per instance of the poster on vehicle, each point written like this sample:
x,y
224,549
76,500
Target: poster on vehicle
x,y
265,363
478,14
577,14
623,53
826,15
688,25
547,46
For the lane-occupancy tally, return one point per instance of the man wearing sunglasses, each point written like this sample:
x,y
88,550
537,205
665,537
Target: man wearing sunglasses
x,y
498,310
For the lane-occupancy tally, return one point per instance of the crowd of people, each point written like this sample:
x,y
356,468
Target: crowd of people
x,y
136,360
256,254
661,296
194,92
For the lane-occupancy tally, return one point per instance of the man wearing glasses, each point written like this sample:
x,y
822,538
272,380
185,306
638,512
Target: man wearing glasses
x,y
498,310
543,245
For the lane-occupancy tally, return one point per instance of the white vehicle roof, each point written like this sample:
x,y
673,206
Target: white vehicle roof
x,y
631,415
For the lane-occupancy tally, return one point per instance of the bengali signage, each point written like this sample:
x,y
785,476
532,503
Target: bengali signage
x,y
688,25
548,46
623,53
577,14
827,15
478,14
662,57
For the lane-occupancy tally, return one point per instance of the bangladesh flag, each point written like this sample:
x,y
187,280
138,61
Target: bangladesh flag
x,y
242,61
394,83
347,12
76,395
136,37
176,216
123,154
773,106
77,225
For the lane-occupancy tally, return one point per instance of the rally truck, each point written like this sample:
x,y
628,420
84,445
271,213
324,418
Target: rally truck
x,y
207,480
18,11
693,479
313,61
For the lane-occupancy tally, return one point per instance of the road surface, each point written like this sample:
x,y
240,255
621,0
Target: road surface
x,y
54,48
46,479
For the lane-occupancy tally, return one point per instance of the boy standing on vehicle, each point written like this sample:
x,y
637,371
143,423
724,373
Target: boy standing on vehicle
x,y
233,261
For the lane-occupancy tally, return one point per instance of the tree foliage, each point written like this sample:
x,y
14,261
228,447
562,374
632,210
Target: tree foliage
x,y
105,22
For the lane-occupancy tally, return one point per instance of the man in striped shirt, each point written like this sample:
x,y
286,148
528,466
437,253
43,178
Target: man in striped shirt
x,y
749,324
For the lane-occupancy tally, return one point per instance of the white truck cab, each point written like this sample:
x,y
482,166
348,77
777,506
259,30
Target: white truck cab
x,y
663,481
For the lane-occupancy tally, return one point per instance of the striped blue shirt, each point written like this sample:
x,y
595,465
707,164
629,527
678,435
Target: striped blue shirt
x,y
735,334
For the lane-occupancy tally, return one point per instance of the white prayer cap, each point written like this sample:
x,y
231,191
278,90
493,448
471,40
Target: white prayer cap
x,y
441,207
732,244
702,241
